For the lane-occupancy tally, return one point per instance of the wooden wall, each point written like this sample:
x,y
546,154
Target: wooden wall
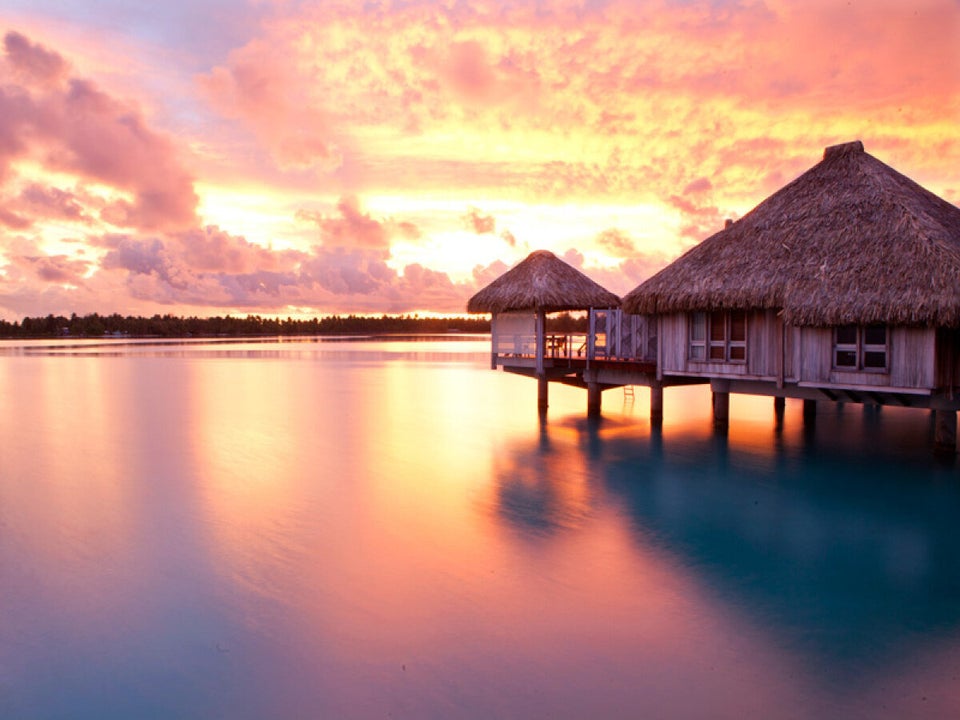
x,y
763,345
673,343
912,357
762,348
812,354
808,355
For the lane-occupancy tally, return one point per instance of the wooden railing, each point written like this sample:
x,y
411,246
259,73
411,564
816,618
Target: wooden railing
x,y
612,336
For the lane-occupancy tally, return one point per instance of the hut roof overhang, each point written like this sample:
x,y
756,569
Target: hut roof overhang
x,y
849,241
541,282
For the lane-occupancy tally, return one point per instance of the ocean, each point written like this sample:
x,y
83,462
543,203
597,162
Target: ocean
x,y
386,528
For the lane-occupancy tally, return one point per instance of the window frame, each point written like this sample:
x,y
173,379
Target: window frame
x,y
860,349
706,343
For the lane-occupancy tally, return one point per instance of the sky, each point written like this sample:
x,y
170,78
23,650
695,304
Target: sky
x,y
301,158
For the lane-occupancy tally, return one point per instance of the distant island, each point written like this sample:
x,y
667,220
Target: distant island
x,y
171,326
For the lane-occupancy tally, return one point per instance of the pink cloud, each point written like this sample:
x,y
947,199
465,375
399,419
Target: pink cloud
x,y
33,62
59,269
186,269
700,185
468,70
72,126
624,276
258,85
212,249
483,275
13,221
698,109
351,227
51,202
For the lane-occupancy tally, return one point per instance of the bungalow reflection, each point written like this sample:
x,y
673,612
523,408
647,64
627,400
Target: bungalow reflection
x,y
843,551
546,488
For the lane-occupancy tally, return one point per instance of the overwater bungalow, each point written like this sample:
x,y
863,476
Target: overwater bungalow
x,y
844,285
520,301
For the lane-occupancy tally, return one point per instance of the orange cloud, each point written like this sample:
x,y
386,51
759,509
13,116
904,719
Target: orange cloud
x,y
616,242
478,222
573,101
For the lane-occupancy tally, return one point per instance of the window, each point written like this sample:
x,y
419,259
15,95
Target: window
x,y
698,336
860,347
719,336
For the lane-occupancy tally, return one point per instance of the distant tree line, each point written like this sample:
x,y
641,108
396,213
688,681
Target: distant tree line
x,y
166,326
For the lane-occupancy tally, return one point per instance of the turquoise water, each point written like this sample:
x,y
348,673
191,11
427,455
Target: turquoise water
x,y
375,529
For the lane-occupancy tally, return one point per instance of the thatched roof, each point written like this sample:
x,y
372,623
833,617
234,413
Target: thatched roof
x,y
542,281
849,241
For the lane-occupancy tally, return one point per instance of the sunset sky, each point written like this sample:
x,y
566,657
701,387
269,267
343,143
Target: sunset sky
x,y
293,158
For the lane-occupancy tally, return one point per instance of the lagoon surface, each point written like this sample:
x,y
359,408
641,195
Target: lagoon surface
x,y
385,528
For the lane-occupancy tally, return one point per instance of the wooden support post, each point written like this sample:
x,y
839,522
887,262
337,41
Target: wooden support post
x,y
945,430
779,406
493,341
541,342
542,393
594,394
721,409
656,405
809,412
540,326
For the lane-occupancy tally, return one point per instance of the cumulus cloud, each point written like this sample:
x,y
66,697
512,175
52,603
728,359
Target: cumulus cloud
x,y
483,275
699,109
33,62
59,269
70,126
259,86
214,269
212,249
351,227
51,202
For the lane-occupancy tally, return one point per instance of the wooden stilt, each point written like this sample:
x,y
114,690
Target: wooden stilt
x,y
542,392
721,409
809,412
594,394
779,406
656,405
945,430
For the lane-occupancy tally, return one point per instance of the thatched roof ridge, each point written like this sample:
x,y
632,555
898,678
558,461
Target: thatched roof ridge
x,y
849,241
541,281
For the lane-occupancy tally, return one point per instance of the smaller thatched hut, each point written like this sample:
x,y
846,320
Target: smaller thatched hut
x,y
519,301
542,282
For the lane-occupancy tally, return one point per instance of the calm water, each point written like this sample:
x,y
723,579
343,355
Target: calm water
x,y
384,529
